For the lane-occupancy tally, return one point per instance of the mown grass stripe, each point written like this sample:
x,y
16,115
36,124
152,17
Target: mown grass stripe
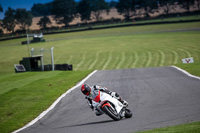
x,y
175,56
70,59
121,61
162,57
81,62
102,60
116,60
129,62
95,61
187,53
136,59
108,61
149,58
156,59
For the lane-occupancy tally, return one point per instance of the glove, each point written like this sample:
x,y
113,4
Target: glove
x,y
113,94
91,106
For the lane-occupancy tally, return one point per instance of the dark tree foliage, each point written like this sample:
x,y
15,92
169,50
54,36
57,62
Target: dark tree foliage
x,y
23,18
166,4
127,7
186,4
9,20
112,4
149,6
42,9
1,32
44,21
64,11
198,4
98,7
1,9
84,9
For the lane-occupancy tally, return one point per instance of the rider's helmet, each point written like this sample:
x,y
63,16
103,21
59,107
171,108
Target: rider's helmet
x,y
85,89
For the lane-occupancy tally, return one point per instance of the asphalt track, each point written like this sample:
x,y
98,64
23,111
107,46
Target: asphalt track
x,y
158,97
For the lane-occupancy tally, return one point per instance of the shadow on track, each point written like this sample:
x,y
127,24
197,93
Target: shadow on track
x,y
85,124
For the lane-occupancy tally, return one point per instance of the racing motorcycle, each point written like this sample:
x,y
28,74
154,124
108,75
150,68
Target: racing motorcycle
x,y
106,104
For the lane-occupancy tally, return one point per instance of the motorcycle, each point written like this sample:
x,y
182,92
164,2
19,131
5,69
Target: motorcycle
x,y
106,104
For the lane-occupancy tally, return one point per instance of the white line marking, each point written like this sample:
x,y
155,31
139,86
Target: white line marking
x,y
190,75
54,104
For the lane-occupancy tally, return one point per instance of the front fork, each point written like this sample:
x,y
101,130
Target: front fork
x,y
122,112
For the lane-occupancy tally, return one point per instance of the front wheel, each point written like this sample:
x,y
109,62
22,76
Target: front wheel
x,y
128,113
112,113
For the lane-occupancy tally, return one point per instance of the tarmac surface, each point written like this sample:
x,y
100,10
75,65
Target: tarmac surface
x,y
158,97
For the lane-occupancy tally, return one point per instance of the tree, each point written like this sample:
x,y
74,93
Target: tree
x,y
42,9
44,21
23,18
64,11
149,6
112,4
198,4
9,20
166,4
186,4
1,9
97,7
84,9
127,7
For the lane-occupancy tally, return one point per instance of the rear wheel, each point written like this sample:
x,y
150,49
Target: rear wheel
x,y
112,113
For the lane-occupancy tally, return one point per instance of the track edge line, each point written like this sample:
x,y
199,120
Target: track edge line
x,y
185,72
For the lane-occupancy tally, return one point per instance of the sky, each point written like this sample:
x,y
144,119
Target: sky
x,y
14,4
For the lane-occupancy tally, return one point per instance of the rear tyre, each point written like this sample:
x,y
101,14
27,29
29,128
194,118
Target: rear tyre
x,y
112,113
128,113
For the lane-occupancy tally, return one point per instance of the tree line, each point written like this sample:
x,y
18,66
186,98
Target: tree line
x,y
65,11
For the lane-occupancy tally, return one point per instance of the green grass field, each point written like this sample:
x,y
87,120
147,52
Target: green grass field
x,y
185,128
25,95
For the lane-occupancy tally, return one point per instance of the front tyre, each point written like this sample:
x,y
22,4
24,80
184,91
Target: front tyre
x,y
112,113
128,113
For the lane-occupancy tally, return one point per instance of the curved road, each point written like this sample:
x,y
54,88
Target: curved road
x,y
158,97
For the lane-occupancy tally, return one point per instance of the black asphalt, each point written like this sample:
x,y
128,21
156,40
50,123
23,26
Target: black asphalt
x,y
158,97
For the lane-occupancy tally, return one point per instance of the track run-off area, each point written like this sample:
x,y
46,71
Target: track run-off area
x,y
134,51
158,97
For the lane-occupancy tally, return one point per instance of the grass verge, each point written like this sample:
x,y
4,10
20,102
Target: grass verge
x,y
193,68
185,128
23,103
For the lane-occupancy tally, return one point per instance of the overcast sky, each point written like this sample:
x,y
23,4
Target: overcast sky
x,y
14,4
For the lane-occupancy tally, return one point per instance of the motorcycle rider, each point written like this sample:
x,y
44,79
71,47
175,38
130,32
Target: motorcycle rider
x,y
92,92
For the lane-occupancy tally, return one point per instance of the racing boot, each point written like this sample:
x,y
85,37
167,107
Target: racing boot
x,y
115,95
97,112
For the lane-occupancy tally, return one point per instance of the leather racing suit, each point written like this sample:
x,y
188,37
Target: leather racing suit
x,y
94,93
